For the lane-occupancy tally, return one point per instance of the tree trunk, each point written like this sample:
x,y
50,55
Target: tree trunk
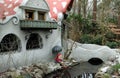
x,y
119,21
84,8
94,10
74,7
79,7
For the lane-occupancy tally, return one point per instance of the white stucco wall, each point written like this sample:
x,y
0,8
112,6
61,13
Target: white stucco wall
x,y
26,57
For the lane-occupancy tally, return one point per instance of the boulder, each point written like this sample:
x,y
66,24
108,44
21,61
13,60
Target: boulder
x,y
88,51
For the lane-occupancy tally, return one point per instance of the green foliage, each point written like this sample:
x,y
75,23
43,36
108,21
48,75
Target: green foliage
x,y
86,38
89,16
102,29
118,43
115,67
117,6
88,26
98,39
112,44
20,76
109,35
74,17
94,33
106,76
112,20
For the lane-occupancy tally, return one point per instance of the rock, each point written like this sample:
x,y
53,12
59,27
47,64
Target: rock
x,y
44,68
38,75
53,66
104,69
34,70
99,75
88,51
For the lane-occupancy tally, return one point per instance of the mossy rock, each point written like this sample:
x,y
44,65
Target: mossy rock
x,y
106,76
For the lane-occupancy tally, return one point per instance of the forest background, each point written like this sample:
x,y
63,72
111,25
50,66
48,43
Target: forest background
x,y
95,22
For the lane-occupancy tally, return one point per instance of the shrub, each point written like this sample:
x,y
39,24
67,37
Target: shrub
x,y
113,20
115,67
98,39
118,43
109,35
112,44
86,38
106,76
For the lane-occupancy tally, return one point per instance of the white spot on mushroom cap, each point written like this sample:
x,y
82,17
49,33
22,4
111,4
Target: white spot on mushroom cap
x,y
5,13
10,6
64,4
54,3
55,10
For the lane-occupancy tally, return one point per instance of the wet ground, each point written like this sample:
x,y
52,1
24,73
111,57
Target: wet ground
x,y
83,67
79,69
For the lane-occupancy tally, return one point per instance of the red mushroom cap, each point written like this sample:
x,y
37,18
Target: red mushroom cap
x,y
57,6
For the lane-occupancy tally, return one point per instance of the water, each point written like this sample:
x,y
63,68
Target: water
x,y
86,75
83,70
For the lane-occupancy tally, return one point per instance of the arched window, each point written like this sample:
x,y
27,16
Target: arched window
x,y
9,42
34,42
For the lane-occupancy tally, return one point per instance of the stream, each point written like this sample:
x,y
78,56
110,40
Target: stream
x,y
82,70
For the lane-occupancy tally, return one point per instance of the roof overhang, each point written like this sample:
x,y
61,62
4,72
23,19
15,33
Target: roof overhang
x,y
39,5
34,8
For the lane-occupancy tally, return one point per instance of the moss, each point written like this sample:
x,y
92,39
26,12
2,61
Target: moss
x,y
106,76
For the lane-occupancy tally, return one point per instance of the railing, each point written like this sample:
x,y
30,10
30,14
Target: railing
x,y
26,24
